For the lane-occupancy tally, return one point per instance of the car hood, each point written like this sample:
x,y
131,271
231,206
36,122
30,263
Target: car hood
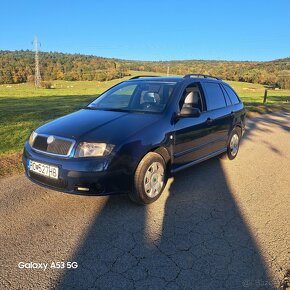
x,y
97,125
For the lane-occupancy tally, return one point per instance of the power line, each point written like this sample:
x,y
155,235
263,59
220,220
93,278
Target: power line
x,y
37,76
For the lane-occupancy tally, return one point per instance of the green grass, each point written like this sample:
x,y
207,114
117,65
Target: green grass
x,y
23,108
254,93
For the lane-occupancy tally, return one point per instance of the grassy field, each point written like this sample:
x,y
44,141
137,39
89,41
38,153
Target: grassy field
x,y
253,94
23,108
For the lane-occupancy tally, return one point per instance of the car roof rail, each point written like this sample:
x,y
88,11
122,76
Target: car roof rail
x,y
201,76
143,76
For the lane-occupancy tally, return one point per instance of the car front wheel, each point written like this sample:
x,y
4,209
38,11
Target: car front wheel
x,y
149,180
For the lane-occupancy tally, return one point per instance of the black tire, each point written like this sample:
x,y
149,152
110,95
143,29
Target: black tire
x,y
232,151
152,163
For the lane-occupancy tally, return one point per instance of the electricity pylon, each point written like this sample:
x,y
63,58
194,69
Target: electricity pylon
x,y
37,76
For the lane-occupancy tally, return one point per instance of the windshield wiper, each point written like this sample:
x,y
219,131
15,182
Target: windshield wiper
x,y
106,109
90,108
114,109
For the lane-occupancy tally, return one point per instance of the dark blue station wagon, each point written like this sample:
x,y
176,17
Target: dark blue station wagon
x,y
134,135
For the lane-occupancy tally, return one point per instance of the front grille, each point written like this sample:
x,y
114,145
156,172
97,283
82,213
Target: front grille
x,y
58,183
58,146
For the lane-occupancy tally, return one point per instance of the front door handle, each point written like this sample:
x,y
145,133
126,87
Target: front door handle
x,y
209,121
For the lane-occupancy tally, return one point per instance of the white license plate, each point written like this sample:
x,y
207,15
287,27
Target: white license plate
x,y
43,169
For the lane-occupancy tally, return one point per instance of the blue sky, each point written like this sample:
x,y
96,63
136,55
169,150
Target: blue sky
x,y
151,30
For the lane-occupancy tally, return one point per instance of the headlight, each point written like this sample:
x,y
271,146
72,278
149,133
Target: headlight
x,y
32,138
86,149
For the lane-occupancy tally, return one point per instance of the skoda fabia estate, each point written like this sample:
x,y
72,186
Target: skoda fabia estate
x,y
134,135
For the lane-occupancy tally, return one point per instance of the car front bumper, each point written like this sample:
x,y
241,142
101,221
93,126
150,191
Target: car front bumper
x,y
88,176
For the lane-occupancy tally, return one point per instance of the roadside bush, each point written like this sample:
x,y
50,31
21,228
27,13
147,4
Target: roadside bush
x,y
47,85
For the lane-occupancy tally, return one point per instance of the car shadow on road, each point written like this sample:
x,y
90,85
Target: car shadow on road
x,y
195,237
268,123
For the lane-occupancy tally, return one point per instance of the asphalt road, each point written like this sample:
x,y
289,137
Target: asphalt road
x,y
219,225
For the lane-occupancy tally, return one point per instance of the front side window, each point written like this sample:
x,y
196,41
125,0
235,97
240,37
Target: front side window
x,y
137,96
191,97
214,96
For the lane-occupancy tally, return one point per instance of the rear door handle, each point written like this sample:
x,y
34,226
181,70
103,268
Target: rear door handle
x,y
209,121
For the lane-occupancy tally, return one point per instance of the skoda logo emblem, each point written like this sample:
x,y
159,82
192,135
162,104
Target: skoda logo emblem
x,y
50,139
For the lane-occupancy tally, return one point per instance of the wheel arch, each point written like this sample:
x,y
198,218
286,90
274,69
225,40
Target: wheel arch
x,y
239,127
163,152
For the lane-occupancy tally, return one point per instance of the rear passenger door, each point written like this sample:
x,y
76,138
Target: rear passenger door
x,y
218,114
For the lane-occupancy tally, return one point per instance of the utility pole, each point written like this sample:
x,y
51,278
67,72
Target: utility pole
x,y
168,70
37,76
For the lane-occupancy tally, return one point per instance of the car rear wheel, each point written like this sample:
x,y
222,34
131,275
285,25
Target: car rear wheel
x,y
233,144
149,180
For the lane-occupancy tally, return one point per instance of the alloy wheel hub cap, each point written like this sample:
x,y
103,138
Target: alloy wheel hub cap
x,y
234,144
154,179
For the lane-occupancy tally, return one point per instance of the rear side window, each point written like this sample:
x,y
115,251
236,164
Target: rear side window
x,y
234,98
214,96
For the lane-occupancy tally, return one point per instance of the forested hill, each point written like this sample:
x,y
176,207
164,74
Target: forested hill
x,y
18,66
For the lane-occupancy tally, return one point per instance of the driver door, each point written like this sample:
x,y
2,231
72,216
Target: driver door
x,y
191,133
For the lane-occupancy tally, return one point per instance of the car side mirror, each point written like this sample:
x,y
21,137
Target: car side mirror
x,y
189,112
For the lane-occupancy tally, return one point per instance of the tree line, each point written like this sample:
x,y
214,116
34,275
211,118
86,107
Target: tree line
x,y
271,73
18,67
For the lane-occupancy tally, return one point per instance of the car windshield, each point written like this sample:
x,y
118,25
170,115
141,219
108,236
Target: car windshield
x,y
137,96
